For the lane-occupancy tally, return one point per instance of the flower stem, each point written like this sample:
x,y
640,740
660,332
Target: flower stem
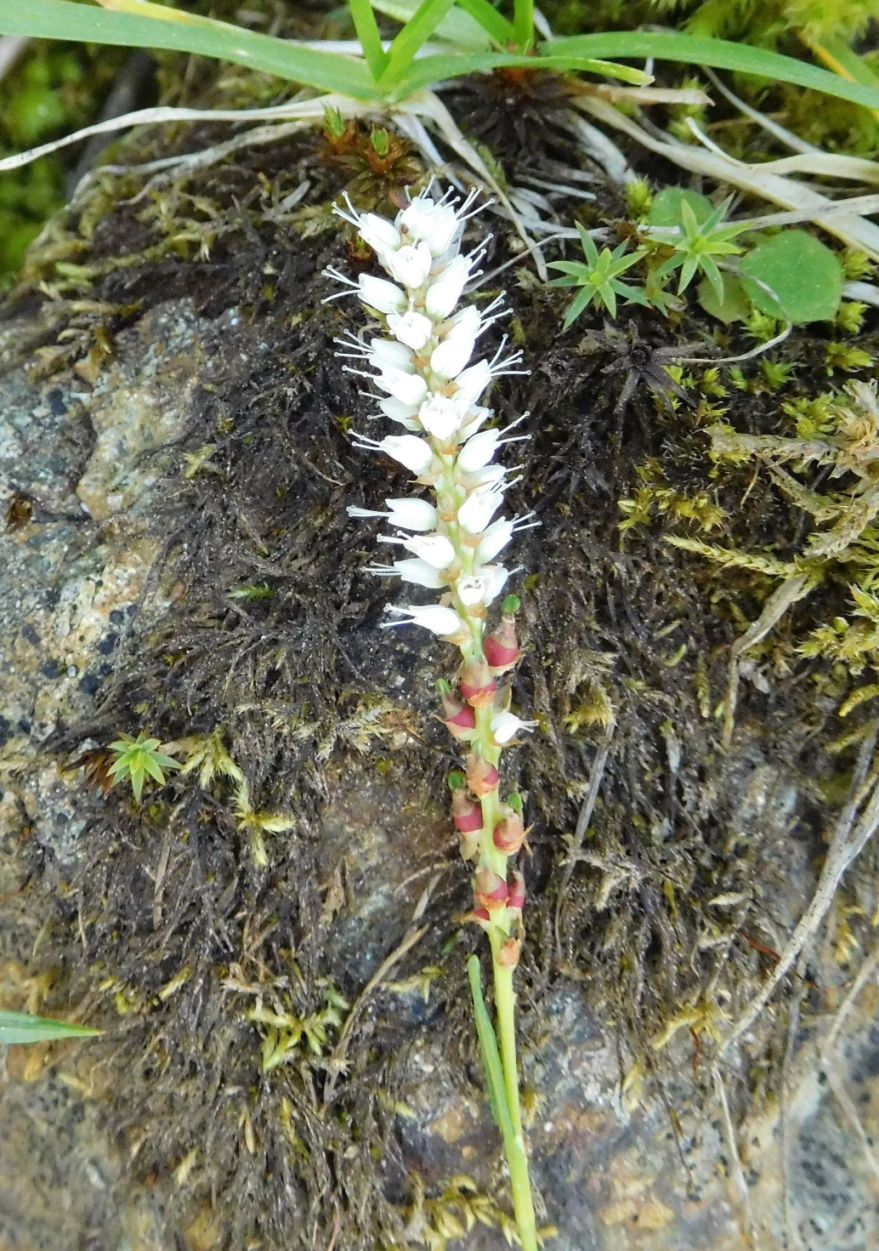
x,y
517,1157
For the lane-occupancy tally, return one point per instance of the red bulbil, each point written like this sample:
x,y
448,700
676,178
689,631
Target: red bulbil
x,y
466,814
509,833
516,894
460,719
501,648
482,777
478,685
489,890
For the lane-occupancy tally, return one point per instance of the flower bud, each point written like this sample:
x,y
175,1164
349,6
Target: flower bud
x,y
501,648
480,917
489,890
516,893
466,814
460,720
478,685
509,833
509,952
469,845
482,777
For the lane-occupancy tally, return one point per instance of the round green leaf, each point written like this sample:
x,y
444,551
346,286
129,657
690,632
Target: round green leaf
x,y
666,207
734,305
793,276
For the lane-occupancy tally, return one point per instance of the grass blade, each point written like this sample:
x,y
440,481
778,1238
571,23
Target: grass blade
x,y
844,61
496,25
416,32
491,1060
21,1027
719,54
62,19
370,39
458,27
523,24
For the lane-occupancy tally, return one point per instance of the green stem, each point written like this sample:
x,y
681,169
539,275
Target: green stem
x,y
517,1156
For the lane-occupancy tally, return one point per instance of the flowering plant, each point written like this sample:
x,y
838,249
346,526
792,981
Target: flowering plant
x,y
427,385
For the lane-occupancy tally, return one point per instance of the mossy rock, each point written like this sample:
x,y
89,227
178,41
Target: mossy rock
x,y
174,434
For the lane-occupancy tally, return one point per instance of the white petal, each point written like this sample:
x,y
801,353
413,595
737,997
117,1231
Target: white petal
x,y
413,329
476,417
411,513
378,233
409,389
497,579
478,451
388,354
451,356
436,549
472,590
410,265
505,725
380,294
394,410
466,322
494,540
472,382
419,572
408,450
434,617
440,417
445,292
476,512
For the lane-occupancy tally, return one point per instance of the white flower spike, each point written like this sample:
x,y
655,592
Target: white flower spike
x,y
422,365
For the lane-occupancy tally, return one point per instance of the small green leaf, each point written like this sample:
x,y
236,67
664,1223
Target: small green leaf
x,y
794,276
21,1027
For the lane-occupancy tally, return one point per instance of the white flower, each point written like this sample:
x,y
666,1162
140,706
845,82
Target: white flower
x,y
414,453
434,617
388,354
404,414
377,232
436,549
409,265
494,540
467,322
440,417
409,389
413,329
380,294
477,511
504,725
477,416
483,587
491,475
451,356
435,223
478,451
409,513
445,291
472,382
418,572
